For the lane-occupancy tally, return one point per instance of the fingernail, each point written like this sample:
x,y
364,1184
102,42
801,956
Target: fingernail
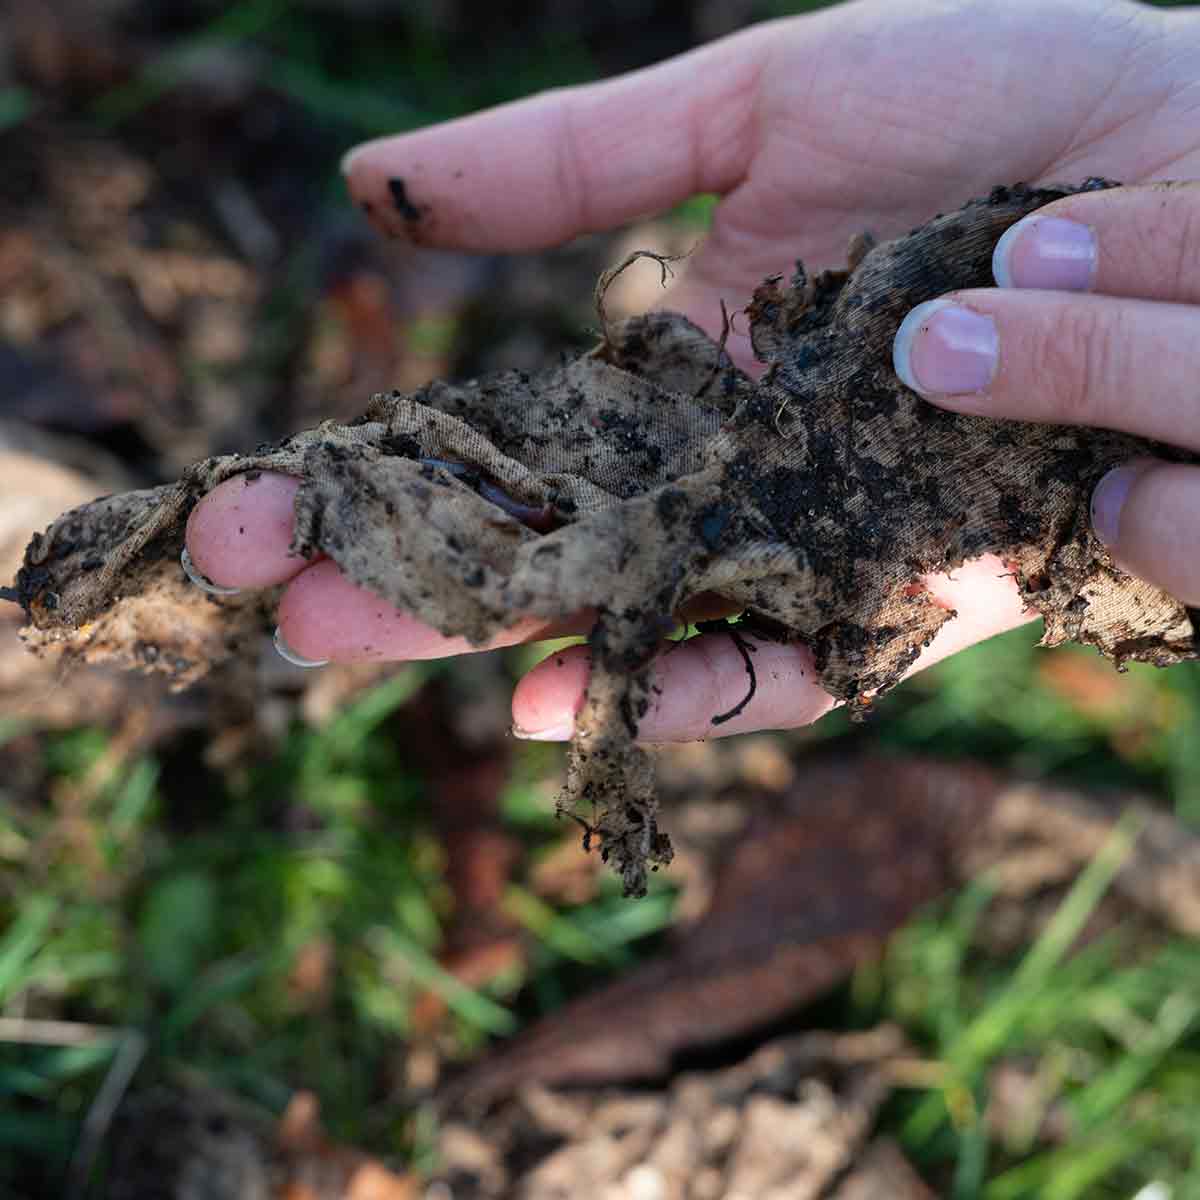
x,y
1108,498
942,348
562,732
297,660
1046,252
348,158
202,581
351,157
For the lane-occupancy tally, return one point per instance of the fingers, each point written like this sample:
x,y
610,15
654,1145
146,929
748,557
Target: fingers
x,y
1123,357
238,535
699,300
1148,513
538,172
1139,242
1130,365
706,676
323,617
693,682
984,595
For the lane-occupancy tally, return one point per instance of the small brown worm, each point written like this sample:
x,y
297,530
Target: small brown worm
x,y
541,519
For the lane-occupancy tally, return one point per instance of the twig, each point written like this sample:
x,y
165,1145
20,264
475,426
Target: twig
x,y
128,1058
25,1031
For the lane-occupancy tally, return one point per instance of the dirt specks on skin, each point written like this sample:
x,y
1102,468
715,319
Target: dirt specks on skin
x,y
412,213
650,470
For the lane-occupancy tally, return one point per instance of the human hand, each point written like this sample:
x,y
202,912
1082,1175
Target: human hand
x,y
865,116
1123,355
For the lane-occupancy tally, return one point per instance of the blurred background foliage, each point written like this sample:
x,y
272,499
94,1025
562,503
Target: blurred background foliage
x,y
276,920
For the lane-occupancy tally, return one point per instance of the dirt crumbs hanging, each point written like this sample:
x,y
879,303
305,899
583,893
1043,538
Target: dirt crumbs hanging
x,y
641,474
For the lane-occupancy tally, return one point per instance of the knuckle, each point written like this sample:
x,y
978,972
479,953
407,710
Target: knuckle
x,y
571,161
1159,247
1075,366
1184,266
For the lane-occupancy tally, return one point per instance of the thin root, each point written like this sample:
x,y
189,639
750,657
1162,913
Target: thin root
x,y
745,649
607,279
722,361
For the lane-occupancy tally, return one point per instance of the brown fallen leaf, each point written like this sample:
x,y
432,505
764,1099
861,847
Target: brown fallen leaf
x,y
814,889
805,897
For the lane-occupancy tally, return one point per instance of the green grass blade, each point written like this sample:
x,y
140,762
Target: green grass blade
x,y
1001,1021
350,729
1070,1171
16,103
21,944
548,925
49,1135
227,981
473,1007
996,1025
1105,1094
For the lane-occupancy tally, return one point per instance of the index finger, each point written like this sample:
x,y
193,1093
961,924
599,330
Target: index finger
x,y
538,172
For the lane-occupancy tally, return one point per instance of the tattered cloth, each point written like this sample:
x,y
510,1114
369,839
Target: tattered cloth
x,y
641,474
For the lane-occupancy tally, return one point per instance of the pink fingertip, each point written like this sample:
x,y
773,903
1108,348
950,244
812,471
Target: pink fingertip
x,y
984,596
238,535
355,155
323,615
1046,252
546,700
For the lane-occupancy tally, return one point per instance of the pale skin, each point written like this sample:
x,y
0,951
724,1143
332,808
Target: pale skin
x,y
869,115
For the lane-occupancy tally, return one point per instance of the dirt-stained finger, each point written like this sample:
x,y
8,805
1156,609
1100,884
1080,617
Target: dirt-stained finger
x,y
708,676
541,171
323,616
238,535
693,682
